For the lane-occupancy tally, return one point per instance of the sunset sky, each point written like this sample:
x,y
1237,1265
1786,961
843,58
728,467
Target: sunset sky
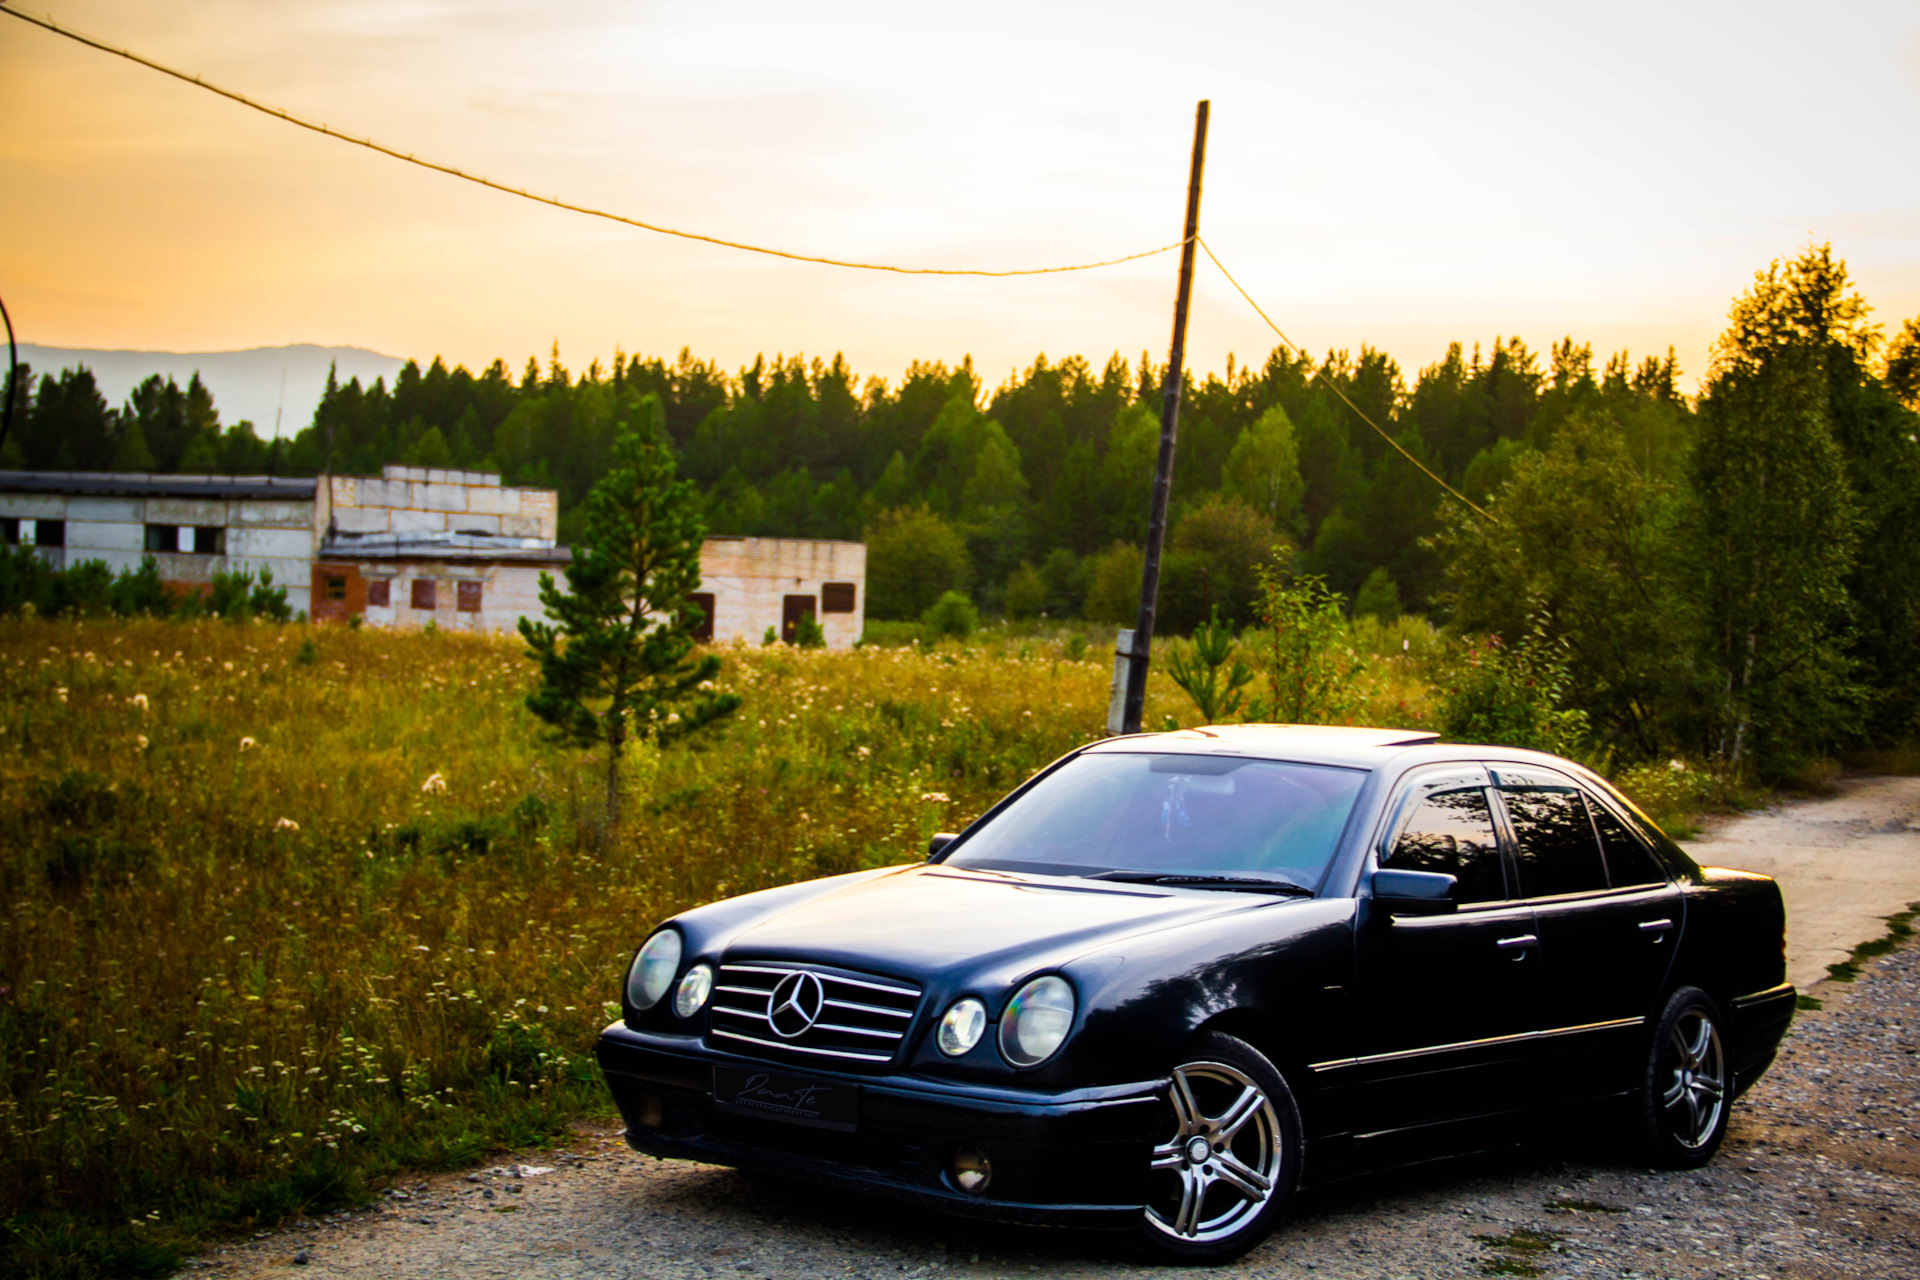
x,y
1398,173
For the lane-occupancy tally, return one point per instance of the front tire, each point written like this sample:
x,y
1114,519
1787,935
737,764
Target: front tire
x,y
1687,1092
1227,1158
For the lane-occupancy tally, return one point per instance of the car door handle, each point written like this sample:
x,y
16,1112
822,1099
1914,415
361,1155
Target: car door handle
x,y
1519,946
1655,930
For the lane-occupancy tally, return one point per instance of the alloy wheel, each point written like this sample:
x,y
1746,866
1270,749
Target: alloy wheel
x,y
1696,1084
1221,1165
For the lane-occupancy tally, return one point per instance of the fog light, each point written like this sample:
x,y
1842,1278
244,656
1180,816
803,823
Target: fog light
x,y
648,1112
971,1171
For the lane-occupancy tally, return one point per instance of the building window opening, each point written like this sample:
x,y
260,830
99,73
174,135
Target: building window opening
x,y
836,597
208,540
469,597
336,588
50,533
163,537
423,595
703,630
10,531
379,593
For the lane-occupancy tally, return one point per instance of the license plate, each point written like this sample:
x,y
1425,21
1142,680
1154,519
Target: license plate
x,y
774,1095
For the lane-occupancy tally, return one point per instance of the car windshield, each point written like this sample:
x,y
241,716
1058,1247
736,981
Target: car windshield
x,y
1127,815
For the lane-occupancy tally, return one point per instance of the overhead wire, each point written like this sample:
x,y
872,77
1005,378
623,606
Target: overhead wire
x,y
1334,387
315,126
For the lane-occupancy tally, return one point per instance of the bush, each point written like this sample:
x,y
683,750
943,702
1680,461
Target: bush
x,y
1113,593
951,615
913,557
1514,695
1026,592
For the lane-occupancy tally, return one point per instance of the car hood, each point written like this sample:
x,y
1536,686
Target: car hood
x,y
923,921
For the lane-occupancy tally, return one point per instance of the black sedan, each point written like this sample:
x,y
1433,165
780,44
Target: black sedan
x,y
1175,976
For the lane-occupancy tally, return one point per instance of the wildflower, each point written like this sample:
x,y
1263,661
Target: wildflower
x,y
60,694
435,785
139,700
935,797
248,744
865,752
140,740
286,824
1677,766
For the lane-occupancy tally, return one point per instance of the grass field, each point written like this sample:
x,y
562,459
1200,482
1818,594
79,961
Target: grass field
x,y
289,909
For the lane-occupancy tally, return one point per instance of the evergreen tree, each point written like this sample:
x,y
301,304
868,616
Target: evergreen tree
x,y
617,661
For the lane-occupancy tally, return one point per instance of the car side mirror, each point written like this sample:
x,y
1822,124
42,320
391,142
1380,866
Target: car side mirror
x,y
941,840
1415,893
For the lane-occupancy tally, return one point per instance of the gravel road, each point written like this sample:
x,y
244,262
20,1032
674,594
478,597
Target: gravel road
x,y
1820,1177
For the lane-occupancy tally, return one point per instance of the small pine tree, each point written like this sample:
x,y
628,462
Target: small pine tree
x,y
617,661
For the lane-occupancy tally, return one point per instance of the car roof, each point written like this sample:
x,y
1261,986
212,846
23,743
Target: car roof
x,y
1352,746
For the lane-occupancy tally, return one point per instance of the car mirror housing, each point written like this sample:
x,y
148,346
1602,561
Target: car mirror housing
x,y
1415,893
941,839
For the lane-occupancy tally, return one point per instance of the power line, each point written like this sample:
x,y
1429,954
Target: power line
x,y
1334,387
554,201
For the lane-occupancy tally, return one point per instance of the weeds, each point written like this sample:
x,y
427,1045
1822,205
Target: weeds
x,y
289,910
1899,932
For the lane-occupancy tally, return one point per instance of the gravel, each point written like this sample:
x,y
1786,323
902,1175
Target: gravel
x,y
1820,1177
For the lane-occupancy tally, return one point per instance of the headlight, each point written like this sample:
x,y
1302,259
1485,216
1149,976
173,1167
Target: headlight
x,y
1036,1021
961,1029
693,989
653,969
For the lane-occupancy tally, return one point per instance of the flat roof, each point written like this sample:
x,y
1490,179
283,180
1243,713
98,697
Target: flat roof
x,y
144,484
442,546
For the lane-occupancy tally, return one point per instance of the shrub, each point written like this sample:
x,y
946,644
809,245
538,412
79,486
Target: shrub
x,y
951,615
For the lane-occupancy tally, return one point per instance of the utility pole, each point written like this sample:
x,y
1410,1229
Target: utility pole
x,y
1135,663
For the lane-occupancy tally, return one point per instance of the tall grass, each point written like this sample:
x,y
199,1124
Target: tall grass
x,y
286,909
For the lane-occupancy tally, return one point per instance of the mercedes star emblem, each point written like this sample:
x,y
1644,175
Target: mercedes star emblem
x,y
796,1004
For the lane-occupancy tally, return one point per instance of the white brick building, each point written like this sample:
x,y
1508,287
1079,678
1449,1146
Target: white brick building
x,y
415,545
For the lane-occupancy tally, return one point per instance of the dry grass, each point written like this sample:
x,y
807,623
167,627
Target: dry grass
x,y
288,909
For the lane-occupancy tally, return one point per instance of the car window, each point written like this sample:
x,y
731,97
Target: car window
x,y
1629,861
1554,843
1452,832
1181,814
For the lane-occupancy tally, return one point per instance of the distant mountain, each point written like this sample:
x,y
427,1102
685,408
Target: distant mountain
x,y
245,384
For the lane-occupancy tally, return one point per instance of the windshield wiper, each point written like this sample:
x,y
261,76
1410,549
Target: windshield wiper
x,y
1253,884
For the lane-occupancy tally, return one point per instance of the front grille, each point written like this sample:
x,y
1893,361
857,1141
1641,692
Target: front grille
x,y
858,1019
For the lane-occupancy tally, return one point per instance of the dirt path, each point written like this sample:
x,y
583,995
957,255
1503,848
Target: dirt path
x,y
1820,1176
1844,863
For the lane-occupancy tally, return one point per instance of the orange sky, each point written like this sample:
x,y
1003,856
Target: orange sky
x,y
1413,173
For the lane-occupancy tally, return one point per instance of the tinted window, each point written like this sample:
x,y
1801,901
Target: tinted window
x,y
1182,814
1452,833
1555,842
1628,860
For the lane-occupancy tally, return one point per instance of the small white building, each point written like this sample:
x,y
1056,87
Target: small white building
x,y
412,546
748,585
421,545
193,526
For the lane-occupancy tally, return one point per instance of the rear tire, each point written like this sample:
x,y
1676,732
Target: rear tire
x,y
1227,1157
1687,1091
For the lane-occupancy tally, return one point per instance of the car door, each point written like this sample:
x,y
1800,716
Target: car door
x,y
1444,1004
1607,918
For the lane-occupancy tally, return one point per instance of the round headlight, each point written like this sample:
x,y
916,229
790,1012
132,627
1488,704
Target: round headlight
x,y
962,1027
693,989
653,969
1036,1021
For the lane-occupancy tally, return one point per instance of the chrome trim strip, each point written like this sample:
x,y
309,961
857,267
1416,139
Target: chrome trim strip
x,y
860,1031
744,1013
871,1008
824,977
1780,992
746,991
794,1048
1490,1042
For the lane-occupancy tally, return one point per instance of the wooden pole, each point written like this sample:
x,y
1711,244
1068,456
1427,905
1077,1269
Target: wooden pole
x,y
1169,426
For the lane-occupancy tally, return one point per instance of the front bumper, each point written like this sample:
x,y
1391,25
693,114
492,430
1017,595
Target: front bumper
x,y
1074,1158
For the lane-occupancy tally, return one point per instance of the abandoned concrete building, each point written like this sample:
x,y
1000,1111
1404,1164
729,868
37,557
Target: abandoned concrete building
x,y
415,545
